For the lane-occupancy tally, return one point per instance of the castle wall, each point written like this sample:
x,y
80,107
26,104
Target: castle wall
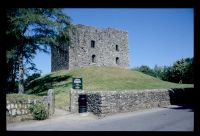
x,y
59,58
104,52
105,47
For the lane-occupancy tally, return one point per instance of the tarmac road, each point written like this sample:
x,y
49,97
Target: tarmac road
x,y
170,118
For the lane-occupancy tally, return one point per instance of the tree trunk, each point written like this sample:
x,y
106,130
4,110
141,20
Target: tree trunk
x,y
21,74
12,77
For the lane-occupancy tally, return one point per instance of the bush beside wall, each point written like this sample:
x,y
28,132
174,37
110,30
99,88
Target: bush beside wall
x,y
18,109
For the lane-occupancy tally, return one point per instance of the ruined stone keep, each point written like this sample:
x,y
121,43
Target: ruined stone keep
x,y
92,46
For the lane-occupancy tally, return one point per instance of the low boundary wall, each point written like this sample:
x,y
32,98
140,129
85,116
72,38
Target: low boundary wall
x,y
17,110
103,103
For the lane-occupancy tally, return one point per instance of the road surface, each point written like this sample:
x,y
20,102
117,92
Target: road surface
x,y
170,118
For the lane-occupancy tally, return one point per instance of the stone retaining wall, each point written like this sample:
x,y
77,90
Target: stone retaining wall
x,y
49,102
19,107
17,110
103,103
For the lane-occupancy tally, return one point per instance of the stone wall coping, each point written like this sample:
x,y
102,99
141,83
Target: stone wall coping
x,y
126,91
101,29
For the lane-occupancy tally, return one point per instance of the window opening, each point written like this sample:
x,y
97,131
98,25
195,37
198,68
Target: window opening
x,y
117,49
92,44
117,60
93,58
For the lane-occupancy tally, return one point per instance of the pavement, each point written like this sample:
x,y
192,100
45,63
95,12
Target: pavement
x,y
59,116
169,118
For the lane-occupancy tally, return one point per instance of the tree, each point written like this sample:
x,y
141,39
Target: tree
x,y
31,77
158,70
178,70
146,70
32,29
167,73
12,67
183,70
189,71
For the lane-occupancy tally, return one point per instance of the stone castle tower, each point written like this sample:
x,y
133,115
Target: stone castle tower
x,y
92,46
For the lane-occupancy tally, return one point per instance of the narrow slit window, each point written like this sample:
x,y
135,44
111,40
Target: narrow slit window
x,y
117,60
117,49
93,58
92,44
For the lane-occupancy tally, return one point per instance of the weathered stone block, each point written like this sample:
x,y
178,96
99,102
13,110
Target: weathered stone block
x,y
13,112
20,105
18,112
12,106
23,111
8,106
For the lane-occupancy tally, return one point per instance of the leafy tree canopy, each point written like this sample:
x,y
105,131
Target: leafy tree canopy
x,y
180,72
32,29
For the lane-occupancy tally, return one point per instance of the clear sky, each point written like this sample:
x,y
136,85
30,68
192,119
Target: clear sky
x,y
157,36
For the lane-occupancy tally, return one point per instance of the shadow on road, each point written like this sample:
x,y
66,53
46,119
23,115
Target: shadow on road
x,y
182,99
189,107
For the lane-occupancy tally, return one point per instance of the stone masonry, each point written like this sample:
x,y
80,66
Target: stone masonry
x,y
103,103
18,110
49,102
92,46
19,107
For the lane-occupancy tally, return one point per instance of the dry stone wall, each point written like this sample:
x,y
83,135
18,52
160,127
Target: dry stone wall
x,y
103,103
18,110
74,95
49,102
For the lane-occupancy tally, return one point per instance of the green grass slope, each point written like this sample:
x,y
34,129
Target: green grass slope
x,y
97,78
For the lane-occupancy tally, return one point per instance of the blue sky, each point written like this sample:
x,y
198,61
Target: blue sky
x,y
155,36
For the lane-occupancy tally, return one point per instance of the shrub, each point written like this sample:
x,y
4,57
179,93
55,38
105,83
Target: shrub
x,y
39,112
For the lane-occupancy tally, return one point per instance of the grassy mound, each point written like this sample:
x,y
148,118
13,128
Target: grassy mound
x,y
96,78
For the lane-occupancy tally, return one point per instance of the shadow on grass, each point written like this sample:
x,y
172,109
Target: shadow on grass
x,y
41,86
